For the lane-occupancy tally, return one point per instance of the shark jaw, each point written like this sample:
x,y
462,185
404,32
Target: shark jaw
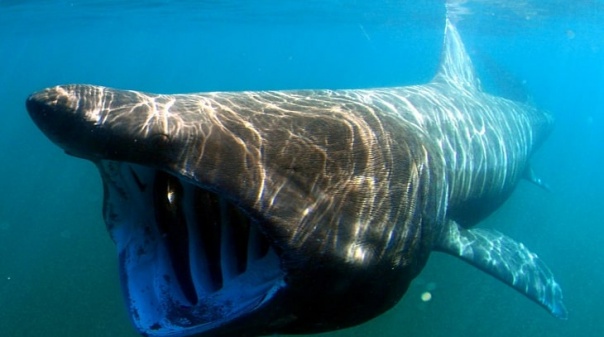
x,y
190,260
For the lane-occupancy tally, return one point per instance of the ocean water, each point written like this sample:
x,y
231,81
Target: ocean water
x,y
58,267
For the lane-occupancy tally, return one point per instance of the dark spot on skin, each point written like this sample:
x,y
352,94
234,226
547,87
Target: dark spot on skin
x,y
155,326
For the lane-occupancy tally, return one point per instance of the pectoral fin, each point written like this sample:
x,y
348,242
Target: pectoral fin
x,y
507,260
531,176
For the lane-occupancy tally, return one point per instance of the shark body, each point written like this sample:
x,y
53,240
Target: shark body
x,y
251,213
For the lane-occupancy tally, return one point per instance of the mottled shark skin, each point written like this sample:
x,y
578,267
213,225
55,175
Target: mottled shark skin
x,y
260,212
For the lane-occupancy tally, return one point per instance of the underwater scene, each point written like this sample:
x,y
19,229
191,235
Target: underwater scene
x,y
410,246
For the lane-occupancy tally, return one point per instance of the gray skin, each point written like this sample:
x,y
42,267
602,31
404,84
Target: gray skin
x,y
352,190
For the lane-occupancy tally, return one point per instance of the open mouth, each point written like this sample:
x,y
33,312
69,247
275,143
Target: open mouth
x,y
190,260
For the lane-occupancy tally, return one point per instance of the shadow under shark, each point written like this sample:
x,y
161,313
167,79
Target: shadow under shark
x,y
251,213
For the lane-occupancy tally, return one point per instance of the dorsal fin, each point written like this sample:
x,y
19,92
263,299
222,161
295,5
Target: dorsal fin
x,y
456,68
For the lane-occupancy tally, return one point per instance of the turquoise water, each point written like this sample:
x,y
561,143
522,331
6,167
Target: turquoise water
x,y
58,269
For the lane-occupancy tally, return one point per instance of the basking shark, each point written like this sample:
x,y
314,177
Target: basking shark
x,y
261,212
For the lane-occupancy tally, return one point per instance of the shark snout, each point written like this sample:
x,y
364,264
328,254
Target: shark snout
x,y
53,111
95,123
58,99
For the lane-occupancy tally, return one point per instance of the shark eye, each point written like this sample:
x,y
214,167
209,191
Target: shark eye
x,y
160,139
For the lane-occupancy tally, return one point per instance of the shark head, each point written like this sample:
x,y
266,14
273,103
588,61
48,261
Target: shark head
x,y
235,215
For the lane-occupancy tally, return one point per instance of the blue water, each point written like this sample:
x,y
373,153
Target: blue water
x,y
58,270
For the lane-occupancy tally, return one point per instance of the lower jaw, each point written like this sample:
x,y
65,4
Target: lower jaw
x,y
190,260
